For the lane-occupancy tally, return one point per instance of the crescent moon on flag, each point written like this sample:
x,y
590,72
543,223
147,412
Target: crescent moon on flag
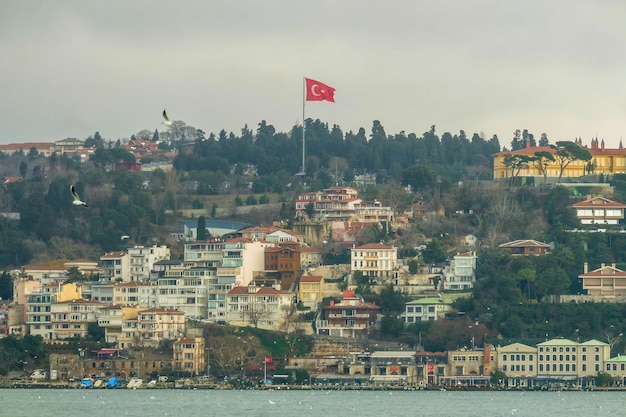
x,y
315,90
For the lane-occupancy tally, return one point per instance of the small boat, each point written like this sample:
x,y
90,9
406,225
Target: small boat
x,y
134,383
98,383
112,382
86,383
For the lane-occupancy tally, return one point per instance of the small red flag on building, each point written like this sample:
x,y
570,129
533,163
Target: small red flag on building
x,y
317,91
268,360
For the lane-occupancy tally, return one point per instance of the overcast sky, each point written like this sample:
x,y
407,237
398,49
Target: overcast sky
x,y
71,68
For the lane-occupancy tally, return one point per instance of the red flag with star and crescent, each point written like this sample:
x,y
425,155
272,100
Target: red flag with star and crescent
x,y
317,91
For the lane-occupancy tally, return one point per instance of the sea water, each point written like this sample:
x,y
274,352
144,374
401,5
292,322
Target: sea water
x,y
283,403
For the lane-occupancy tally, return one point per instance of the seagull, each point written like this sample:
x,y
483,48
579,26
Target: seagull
x,y
77,201
166,120
124,237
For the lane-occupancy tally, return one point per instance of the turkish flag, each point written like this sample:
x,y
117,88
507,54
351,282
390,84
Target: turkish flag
x,y
268,360
317,91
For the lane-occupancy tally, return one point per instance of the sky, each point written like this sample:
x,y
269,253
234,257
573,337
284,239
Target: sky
x,y
71,68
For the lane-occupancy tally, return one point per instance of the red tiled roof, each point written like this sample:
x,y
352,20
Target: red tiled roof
x,y
311,278
606,271
524,244
598,201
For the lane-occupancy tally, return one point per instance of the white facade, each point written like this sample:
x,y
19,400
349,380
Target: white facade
x,y
143,258
186,289
261,307
375,260
460,275
116,266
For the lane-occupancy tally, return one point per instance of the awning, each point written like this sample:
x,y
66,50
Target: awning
x,y
108,352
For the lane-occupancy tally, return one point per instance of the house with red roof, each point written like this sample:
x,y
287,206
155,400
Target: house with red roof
x,y
526,247
350,317
599,211
606,282
260,307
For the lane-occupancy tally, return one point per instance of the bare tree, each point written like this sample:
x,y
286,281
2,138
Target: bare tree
x,y
290,318
256,312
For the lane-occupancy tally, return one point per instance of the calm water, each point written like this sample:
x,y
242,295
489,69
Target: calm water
x,y
280,403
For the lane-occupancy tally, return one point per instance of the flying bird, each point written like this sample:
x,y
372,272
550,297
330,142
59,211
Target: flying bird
x,y
124,237
77,201
166,120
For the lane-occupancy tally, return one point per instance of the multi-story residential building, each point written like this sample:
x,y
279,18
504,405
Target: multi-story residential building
x,y
600,211
460,274
310,291
142,260
519,362
282,262
242,259
373,212
186,289
332,204
23,287
607,282
218,288
40,319
375,260
189,356
426,309
155,325
127,293
262,307
206,253
71,319
46,275
604,161
115,266
112,320
310,257
351,317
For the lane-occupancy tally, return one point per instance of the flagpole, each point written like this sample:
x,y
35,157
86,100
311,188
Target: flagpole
x,y
265,371
303,124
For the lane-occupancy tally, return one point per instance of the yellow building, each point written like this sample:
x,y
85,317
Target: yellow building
x,y
113,318
470,366
310,290
189,355
519,362
616,367
604,160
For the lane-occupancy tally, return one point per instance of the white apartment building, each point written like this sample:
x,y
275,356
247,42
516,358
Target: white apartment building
x,y
332,204
375,260
186,290
112,318
262,307
155,325
460,275
71,319
115,266
207,253
142,260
